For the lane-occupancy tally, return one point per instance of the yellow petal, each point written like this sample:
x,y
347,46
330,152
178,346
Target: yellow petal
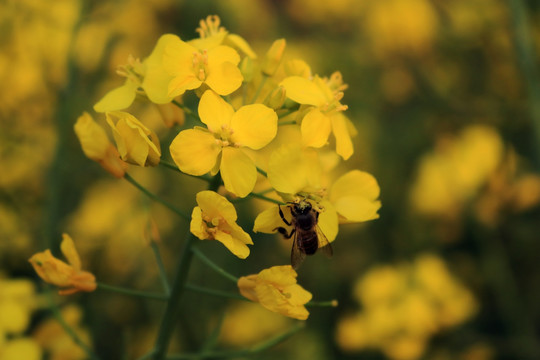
x,y
340,128
236,246
238,233
156,79
328,221
222,54
177,55
315,128
21,348
239,43
179,84
291,169
303,91
214,205
194,151
224,78
15,317
355,196
355,182
118,99
214,111
93,139
238,171
68,249
269,220
279,275
196,226
254,126
246,286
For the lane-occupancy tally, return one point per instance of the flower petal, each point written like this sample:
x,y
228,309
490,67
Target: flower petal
x,y
269,220
156,79
357,208
239,43
291,169
315,128
236,246
214,111
340,128
196,226
117,99
355,182
328,221
214,205
68,249
238,171
303,91
224,78
194,151
254,126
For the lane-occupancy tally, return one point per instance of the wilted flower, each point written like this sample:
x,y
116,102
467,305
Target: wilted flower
x,y
70,277
215,219
96,145
276,289
136,143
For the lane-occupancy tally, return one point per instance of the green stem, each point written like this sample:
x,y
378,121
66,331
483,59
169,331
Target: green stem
x,y
130,292
262,172
329,303
213,265
187,110
259,89
156,198
175,168
68,329
238,353
527,63
262,197
161,267
219,293
172,310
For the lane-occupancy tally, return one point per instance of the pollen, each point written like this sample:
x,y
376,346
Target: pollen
x,y
200,64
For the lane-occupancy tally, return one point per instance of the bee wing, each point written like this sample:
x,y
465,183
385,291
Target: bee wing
x,y
324,244
297,256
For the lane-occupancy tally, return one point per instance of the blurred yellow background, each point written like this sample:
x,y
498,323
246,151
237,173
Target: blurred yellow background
x,y
445,98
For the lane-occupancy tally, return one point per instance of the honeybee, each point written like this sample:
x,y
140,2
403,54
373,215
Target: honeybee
x,y
308,237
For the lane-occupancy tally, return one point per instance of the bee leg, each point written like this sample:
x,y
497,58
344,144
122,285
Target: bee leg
x,y
283,232
283,218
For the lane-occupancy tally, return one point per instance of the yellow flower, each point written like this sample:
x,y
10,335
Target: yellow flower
x,y
220,148
296,173
70,276
325,114
21,348
212,35
148,77
136,143
191,67
96,145
215,219
276,289
17,300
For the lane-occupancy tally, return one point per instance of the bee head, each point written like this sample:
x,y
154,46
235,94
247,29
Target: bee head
x,y
302,207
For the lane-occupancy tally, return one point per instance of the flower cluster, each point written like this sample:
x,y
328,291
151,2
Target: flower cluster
x,y
260,122
404,306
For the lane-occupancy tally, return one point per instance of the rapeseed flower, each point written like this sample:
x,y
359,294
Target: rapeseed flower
x,y
215,219
148,78
191,67
68,276
96,145
136,143
324,112
220,147
276,289
295,173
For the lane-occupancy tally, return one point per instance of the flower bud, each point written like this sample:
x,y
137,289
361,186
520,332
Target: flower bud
x,y
96,145
136,143
276,98
247,68
273,57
